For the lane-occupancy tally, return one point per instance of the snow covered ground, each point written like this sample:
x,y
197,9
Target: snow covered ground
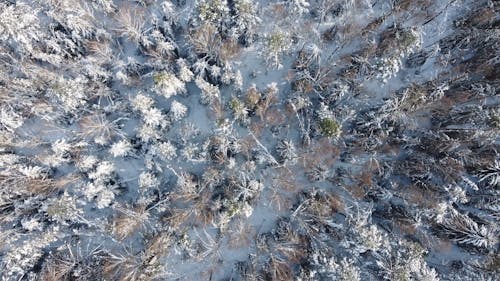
x,y
249,140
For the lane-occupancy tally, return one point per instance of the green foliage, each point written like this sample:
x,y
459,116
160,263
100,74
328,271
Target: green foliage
x,y
330,127
408,39
212,11
277,41
495,119
161,77
233,210
235,104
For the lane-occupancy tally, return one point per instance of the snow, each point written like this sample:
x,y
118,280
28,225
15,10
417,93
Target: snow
x,y
219,149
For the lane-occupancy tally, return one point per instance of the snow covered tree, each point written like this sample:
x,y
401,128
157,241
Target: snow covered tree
x,y
167,84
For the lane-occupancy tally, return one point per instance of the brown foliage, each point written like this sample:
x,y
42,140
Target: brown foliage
x,y
129,221
278,270
241,234
321,152
206,41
